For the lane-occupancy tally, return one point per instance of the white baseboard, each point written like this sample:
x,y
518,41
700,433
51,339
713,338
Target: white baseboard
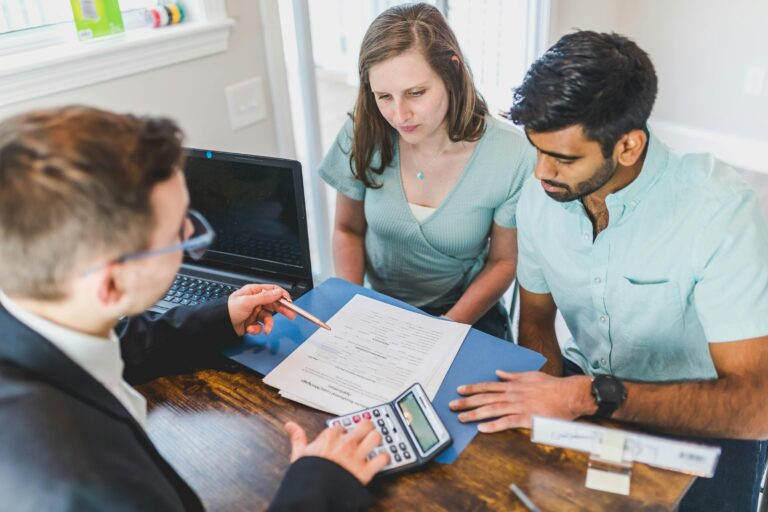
x,y
738,151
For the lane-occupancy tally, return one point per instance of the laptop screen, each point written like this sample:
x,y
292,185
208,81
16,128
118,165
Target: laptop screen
x,y
256,206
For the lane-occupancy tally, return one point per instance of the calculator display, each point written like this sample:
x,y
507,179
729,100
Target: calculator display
x,y
417,421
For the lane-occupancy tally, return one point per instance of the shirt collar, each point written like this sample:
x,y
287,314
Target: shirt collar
x,y
654,166
100,357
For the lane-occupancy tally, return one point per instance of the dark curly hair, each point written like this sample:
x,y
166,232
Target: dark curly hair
x,y
603,82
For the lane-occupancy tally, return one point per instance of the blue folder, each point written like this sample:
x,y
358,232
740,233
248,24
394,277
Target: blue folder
x,y
477,360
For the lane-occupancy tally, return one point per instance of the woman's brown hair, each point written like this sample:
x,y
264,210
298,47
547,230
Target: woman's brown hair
x,y
395,31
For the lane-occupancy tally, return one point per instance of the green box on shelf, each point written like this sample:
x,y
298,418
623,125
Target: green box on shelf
x,y
97,18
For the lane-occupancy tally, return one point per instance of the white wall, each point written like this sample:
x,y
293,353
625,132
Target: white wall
x,y
701,51
191,92
569,15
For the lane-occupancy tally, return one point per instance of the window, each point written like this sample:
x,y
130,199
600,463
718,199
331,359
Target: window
x,y
16,15
40,53
493,36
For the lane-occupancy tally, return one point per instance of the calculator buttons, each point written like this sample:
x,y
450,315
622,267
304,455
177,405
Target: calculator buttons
x,y
394,443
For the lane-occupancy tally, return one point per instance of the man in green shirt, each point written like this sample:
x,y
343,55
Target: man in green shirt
x,y
657,261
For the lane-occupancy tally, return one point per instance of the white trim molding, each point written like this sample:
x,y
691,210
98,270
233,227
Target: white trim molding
x,y
738,151
43,71
538,23
278,78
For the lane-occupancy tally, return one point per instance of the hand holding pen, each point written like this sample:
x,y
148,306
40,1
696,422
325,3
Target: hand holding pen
x,y
251,308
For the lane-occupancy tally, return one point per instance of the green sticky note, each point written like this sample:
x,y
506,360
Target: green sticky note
x,y
97,18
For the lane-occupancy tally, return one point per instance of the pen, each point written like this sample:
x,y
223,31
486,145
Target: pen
x,y
530,505
309,316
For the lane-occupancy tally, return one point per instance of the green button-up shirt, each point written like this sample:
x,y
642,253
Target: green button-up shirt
x,y
431,263
682,263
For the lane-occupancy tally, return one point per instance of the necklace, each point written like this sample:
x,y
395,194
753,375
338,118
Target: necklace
x,y
420,169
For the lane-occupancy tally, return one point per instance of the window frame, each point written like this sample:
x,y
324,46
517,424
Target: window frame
x,y
58,62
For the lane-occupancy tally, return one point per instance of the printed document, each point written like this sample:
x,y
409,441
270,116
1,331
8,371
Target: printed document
x,y
373,352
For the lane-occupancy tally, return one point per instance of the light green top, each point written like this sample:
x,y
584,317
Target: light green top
x,y
682,263
432,263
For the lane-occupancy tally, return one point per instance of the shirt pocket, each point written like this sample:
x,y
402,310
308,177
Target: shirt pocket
x,y
650,313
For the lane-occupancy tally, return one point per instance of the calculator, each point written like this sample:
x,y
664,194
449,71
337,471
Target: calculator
x,y
411,430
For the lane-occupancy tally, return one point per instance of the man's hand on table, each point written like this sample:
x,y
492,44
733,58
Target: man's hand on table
x,y
512,401
347,449
251,308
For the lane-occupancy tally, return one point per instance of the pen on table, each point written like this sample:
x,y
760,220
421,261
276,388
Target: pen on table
x,y
309,316
530,505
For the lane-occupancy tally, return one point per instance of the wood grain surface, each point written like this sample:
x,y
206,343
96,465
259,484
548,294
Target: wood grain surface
x,y
222,429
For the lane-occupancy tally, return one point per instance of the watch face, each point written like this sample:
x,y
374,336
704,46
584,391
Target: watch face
x,y
609,389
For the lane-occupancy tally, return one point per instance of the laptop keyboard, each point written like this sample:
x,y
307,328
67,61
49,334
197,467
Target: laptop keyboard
x,y
192,290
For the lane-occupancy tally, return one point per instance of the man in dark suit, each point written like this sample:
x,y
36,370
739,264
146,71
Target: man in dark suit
x,y
93,221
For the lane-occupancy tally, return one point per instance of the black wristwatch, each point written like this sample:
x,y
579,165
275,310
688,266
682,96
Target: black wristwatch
x,y
609,394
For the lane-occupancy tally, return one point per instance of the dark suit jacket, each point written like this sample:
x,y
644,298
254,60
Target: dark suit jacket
x,y
66,443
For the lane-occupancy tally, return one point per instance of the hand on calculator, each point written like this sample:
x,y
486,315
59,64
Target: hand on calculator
x,y
348,449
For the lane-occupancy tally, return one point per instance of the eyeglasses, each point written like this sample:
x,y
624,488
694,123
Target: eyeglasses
x,y
196,236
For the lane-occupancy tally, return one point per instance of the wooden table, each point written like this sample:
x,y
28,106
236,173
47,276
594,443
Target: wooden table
x,y
222,430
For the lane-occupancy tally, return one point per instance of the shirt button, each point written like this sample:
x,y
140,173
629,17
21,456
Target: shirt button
x,y
598,280
603,318
605,363
595,364
633,204
586,236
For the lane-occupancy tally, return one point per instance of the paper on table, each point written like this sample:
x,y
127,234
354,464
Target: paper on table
x,y
299,400
691,458
373,353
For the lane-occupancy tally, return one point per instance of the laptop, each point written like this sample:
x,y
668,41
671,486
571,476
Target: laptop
x,y
255,205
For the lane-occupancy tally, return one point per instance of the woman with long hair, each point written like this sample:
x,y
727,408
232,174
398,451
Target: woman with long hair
x,y
427,181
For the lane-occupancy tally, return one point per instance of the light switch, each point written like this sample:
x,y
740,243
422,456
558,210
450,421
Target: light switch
x,y
754,80
245,102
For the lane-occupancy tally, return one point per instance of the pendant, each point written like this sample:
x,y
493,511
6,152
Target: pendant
x,y
420,175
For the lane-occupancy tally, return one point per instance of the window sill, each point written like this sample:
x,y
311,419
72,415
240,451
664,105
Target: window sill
x,y
36,73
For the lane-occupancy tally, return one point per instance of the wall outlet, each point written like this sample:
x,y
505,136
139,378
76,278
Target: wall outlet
x,y
754,81
246,103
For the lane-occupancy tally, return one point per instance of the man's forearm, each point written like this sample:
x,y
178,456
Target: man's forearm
x,y
541,337
729,407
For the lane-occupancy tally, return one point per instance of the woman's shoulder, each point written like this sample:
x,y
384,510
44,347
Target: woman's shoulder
x,y
505,144
501,132
344,138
